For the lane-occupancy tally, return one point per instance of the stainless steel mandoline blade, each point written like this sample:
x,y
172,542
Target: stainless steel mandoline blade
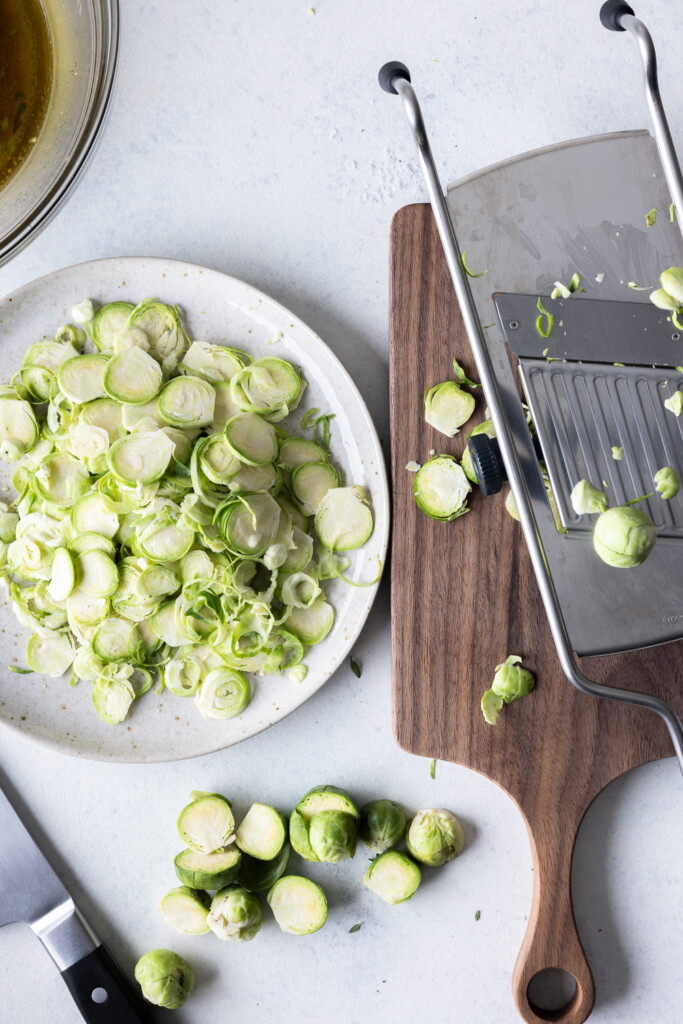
x,y
540,218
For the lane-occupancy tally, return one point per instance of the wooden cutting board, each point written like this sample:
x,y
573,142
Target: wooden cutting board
x,y
463,597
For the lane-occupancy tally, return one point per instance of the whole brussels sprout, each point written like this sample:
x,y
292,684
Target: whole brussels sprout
x,y
587,499
511,681
382,824
165,978
435,836
667,482
235,914
624,536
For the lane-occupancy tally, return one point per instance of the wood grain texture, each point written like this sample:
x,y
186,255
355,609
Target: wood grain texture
x,y
463,597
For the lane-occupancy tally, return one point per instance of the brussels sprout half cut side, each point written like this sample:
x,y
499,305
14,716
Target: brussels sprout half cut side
x,y
298,904
393,877
186,910
262,832
207,824
441,488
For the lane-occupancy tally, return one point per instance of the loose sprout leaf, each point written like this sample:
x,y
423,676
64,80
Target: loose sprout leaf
x,y
467,269
459,374
651,217
163,526
432,769
355,668
355,928
477,915
672,213
544,327
617,452
20,671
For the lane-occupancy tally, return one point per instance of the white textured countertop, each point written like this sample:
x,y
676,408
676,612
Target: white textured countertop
x,y
253,138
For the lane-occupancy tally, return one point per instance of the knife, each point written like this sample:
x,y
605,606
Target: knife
x,y
30,891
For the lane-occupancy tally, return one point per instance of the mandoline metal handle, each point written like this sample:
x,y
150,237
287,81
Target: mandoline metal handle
x,y
394,78
619,17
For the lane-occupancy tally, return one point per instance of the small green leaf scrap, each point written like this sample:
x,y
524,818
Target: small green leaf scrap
x,y
651,217
355,928
355,668
459,375
467,269
477,915
432,769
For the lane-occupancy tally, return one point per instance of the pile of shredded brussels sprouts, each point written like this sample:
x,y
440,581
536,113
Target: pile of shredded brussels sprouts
x,y
167,525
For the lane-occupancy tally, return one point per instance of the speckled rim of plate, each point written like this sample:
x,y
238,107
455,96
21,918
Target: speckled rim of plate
x,y
219,308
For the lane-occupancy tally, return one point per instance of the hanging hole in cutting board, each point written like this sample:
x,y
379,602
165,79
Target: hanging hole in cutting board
x,y
552,992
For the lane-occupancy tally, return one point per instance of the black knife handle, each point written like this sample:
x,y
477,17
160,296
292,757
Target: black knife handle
x,y
102,992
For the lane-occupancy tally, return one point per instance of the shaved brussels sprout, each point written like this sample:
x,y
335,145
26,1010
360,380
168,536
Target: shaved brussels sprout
x,y
343,520
587,499
208,870
624,536
466,462
491,704
674,404
441,488
186,910
324,825
663,300
393,877
383,824
298,904
207,824
435,836
161,529
667,482
447,407
165,978
235,914
672,282
262,832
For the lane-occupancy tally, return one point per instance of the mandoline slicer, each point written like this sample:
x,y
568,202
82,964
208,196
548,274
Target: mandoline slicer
x,y
608,366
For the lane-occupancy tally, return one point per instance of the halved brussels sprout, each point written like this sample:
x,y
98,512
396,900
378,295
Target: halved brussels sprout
x,y
186,910
262,833
393,877
208,870
298,904
207,823
324,825
259,875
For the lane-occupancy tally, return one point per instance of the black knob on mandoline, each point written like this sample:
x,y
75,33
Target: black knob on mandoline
x,y
387,74
611,12
487,462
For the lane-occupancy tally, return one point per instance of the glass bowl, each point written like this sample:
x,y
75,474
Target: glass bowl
x,y
84,35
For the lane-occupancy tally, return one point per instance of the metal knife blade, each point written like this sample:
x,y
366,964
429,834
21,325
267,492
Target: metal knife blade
x,y
29,887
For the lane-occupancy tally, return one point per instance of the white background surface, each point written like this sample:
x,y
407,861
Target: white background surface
x,y
253,138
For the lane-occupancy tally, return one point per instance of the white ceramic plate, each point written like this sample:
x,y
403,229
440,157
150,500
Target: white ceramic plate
x,y
220,309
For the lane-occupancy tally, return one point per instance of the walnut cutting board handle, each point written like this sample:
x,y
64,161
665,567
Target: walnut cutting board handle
x,y
551,939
